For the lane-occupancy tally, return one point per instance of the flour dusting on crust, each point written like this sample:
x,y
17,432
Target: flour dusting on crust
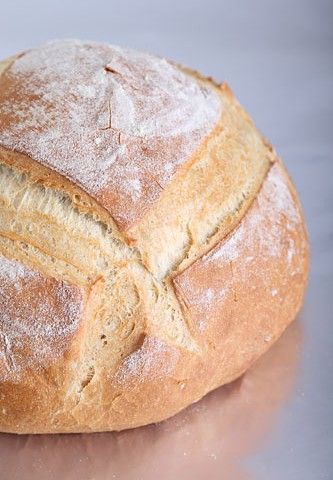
x,y
13,271
280,206
115,121
154,359
269,228
38,317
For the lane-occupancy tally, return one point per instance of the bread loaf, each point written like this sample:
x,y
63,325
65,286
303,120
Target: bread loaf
x,y
152,245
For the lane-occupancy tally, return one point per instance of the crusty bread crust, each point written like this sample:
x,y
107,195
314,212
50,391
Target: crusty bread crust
x,y
155,312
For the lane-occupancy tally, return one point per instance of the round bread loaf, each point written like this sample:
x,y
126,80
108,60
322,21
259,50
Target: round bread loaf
x,y
152,245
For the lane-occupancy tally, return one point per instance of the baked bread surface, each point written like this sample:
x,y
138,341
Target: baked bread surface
x,y
152,245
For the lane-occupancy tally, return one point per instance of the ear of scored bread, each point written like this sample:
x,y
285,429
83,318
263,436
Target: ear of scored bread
x,y
115,314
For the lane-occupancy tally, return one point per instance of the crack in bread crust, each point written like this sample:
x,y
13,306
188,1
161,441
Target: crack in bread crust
x,y
49,225
139,324
160,111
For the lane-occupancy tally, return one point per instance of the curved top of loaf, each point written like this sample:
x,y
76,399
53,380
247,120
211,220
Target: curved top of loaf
x,y
116,122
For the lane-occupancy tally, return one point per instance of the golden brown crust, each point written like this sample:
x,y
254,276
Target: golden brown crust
x,y
264,294
117,111
205,282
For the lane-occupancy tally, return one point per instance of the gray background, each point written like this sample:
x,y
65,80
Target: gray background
x,y
277,57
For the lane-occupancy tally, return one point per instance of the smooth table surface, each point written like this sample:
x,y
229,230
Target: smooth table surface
x,y
276,422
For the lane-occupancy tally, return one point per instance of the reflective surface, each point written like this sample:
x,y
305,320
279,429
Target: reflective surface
x,y
276,423
209,438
